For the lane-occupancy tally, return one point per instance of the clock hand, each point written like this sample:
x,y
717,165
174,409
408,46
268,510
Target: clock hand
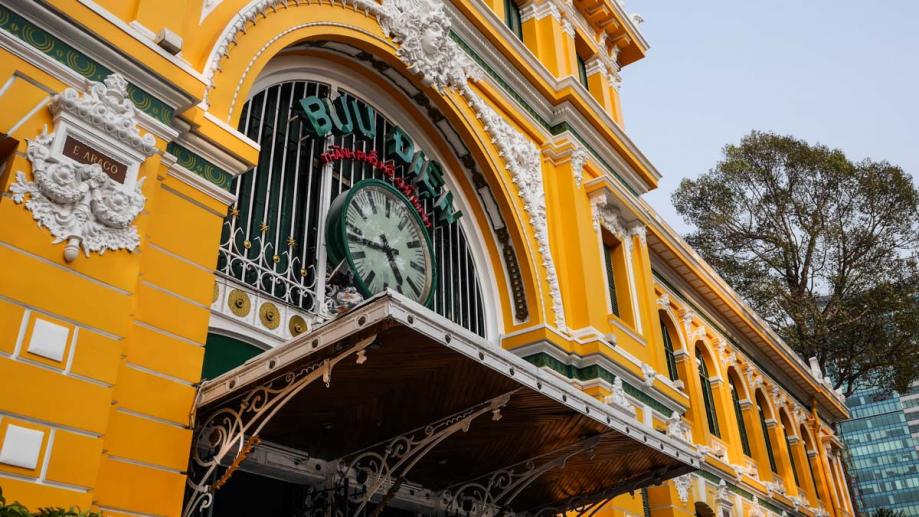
x,y
375,245
391,257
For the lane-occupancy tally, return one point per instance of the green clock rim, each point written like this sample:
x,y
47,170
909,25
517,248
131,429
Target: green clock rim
x,y
335,227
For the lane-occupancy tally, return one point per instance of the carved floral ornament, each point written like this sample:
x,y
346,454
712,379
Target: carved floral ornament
x,y
421,28
682,484
79,202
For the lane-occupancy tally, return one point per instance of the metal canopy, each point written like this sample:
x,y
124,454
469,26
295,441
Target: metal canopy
x,y
392,395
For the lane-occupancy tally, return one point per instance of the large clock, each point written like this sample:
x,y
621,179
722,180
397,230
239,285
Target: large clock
x,y
376,231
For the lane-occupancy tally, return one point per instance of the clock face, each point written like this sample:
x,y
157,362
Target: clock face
x,y
377,231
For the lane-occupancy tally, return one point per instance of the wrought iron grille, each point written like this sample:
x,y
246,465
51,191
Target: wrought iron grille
x,y
273,238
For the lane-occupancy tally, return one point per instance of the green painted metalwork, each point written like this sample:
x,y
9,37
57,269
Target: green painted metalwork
x,y
592,372
739,491
668,351
200,166
63,53
707,396
222,354
744,440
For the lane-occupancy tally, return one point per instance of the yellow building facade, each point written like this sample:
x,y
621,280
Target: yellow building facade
x,y
168,173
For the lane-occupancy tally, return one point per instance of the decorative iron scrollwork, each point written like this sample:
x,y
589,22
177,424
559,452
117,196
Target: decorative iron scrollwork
x,y
230,433
491,494
387,463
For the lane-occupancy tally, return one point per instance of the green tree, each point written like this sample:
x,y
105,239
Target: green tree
x,y
823,248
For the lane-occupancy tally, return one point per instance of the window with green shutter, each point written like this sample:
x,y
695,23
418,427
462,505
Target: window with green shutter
x,y
762,421
738,413
512,18
668,351
608,251
582,72
791,458
707,396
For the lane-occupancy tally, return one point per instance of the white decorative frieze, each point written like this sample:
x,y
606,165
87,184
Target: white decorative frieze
x,y
608,217
578,159
647,374
619,398
775,487
682,484
715,449
664,302
756,510
677,428
688,315
84,186
722,496
421,28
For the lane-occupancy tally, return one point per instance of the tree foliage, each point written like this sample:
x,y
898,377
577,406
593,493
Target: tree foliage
x,y
825,249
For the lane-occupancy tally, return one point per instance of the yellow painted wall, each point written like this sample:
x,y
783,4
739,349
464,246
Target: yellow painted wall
x,y
115,412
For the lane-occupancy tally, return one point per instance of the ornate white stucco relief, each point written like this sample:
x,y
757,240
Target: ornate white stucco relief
x,y
677,428
682,484
79,202
618,397
421,28
578,159
647,373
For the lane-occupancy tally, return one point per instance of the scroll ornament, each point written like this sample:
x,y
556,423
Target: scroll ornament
x,y
79,203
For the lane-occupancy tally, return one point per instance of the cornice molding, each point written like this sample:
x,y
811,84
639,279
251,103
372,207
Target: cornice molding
x,y
106,54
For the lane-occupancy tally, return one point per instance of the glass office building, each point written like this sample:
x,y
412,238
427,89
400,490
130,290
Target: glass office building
x,y
883,456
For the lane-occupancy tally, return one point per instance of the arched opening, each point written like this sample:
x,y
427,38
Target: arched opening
x,y
274,239
811,457
670,338
704,510
708,397
765,417
738,393
790,439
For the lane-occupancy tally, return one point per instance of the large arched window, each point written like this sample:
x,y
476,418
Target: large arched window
x,y
668,349
707,396
768,442
273,238
738,413
808,448
786,426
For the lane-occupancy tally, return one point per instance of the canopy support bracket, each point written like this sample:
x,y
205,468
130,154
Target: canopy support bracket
x,y
486,495
229,433
388,462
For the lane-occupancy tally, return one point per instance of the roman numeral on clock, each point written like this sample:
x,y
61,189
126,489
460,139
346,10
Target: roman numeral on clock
x,y
417,267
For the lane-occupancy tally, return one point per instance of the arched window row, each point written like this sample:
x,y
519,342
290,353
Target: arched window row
x,y
761,434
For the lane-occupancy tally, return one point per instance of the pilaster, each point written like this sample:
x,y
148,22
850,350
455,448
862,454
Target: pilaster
x,y
598,83
543,35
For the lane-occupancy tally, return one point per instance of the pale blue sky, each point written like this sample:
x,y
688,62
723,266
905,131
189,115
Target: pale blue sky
x,y
844,73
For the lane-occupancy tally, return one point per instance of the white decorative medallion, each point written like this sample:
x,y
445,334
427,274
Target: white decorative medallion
x,y
48,340
21,447
682,484
84,186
